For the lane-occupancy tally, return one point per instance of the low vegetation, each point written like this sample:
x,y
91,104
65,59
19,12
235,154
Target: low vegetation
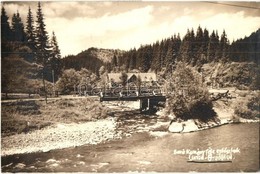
x,y
24,116
242,75
248,108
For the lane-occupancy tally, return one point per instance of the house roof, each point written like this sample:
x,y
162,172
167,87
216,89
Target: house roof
x,y
145,77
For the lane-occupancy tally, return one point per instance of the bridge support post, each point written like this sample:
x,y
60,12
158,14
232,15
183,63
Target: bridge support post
x,y
140,104
145,104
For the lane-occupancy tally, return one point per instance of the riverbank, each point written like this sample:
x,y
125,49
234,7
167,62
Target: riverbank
x,y
32,125
193,125
68,124
60,136
228,111
23,116
76,122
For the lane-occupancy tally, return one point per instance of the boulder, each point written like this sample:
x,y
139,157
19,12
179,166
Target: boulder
x,y
190,126
185,126
176,127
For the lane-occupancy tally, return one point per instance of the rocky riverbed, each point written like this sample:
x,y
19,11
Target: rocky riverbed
x,y
60,136
125,120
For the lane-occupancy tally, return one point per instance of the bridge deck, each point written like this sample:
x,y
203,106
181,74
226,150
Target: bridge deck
x,y
132,98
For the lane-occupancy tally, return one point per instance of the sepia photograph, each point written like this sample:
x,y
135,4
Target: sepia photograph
x,y
130,86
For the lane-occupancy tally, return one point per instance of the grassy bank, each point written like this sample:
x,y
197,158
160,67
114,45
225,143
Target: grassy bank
x,y
25,116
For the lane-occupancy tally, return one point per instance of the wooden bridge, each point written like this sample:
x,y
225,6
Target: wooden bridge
x,y
149,98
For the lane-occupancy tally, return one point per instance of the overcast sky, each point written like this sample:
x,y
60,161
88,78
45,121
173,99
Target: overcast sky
x,y
125,25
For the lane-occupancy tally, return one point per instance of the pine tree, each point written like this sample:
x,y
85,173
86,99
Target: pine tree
x,y
30,36
217,47
156,63
164,48
205,44
147,58
132,63
42,54
169,55
140,53
30,30
192,50
6,32
42,47
18,28
177,45
224,46
55,59
114,61
198,47
212,47
187,47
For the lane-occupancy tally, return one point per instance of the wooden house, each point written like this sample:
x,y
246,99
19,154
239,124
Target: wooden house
x,y
115,78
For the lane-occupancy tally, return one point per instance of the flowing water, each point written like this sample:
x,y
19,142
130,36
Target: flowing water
x,y
139,151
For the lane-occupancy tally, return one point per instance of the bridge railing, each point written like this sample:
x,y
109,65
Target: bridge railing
x,y
130,92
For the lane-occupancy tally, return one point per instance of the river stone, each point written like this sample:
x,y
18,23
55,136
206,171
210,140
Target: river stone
x,y
20,165
175,127
190,126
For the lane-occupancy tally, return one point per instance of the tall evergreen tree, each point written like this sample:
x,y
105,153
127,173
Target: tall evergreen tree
x,y
30,30
212,47
42,47
6,32
156,63
114,61
132,63
169,60
224,46
147,58
55,58
192,50
218,54
205,44
140,57
187,47
18,28
177,45
198,47
163,50
30,36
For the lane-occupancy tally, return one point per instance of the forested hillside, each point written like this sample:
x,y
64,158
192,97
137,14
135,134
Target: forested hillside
x,y
195,49
31,58
91,59
247,49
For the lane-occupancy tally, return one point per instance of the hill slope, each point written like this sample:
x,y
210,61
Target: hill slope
x,y
91,59
242,75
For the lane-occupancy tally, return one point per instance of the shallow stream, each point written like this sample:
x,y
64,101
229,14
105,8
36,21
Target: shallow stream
x,y
139,150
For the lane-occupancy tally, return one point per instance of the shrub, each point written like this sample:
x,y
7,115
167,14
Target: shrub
x,y
64,103
94,108
190,98
253,104
248,108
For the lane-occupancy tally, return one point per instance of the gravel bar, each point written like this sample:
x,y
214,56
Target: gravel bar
x,y
60,136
